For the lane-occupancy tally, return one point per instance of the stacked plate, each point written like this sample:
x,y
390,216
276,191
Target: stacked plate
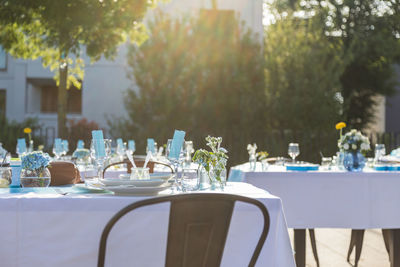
x,y
124,186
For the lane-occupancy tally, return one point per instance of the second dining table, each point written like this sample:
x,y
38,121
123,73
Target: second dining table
x,y
331,199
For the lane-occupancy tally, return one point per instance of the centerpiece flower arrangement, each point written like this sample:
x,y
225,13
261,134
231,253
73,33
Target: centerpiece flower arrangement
x,y
213,162
355,145
35,172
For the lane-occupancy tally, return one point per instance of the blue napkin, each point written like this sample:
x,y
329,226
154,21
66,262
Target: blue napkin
x,y
65,145
150,145
236,176
80,144
21,144
176,145
120,143
131,145
57,145
302,168
98,142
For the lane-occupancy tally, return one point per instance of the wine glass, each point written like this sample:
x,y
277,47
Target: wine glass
x,y
380,151
188,152
293,151
100,159
175,162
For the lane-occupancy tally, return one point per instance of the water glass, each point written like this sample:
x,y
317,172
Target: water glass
x,y
140,173
293,151
326,163
189,179
380,151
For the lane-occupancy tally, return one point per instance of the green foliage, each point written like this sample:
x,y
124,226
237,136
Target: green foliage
x,y
203,74
370,32
57,31
80,130
302,76
11,131
215,159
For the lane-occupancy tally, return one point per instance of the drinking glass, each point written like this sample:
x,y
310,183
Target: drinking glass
x,y
140,173
380,151
190,181
100,160
57,153
326,163
293,151
175,163
188,152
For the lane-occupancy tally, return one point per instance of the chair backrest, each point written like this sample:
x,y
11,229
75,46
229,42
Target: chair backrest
x,y
63,173
139,163
198,227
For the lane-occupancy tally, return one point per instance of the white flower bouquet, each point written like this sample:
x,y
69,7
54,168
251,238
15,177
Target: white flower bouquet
x,y
354,141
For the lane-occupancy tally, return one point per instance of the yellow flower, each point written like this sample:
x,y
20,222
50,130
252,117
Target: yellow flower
x,y
27,130
340,125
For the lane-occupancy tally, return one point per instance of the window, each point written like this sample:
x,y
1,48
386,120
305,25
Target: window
x,y
3,59
49,100
2,103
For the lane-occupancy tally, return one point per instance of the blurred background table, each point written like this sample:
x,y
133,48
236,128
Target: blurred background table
x,y
332,199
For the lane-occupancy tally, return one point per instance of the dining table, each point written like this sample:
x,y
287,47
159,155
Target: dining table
x,y
331,198
61,226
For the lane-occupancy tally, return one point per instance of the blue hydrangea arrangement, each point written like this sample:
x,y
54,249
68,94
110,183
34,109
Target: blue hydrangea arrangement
x,y
36,160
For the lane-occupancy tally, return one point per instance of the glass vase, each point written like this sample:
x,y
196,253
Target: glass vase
x,y
204,180
253,162
218,178
264,164
353,161
35,178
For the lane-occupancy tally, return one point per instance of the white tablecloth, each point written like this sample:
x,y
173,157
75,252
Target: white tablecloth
x,y
56,230
325,199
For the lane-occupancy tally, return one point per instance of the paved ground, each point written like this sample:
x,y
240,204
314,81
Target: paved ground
x,y
332,245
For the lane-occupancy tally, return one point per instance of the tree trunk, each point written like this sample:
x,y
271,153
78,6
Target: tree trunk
x,y
62,103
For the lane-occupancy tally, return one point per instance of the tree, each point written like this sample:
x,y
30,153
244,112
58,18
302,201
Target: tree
x,y
57,31
202,74
302,77
370,32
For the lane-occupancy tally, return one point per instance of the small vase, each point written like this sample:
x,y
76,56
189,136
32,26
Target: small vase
x,y
204,180
218,178
253,162
354,161
35,178
264,164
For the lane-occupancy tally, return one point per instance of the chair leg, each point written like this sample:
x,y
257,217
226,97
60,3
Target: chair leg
x,y
359,243
314,245
356,240
352,244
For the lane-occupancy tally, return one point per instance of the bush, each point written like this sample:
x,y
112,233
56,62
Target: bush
x,y
11,131
203,75
81,129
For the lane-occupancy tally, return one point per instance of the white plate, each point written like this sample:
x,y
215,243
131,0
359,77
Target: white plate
x,y
125,176
163,176
141,183
133,190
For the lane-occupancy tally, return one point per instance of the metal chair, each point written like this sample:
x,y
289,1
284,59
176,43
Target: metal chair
x,y
207,215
